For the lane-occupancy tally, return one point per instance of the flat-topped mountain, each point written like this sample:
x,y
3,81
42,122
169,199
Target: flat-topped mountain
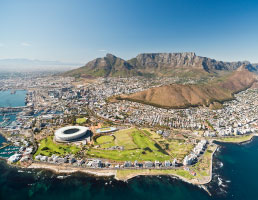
x,y
156,64
182,60
182,96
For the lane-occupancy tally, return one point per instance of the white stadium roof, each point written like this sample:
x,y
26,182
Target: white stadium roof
x,y
69,133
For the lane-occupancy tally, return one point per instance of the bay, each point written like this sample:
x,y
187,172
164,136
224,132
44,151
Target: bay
x,y
12,100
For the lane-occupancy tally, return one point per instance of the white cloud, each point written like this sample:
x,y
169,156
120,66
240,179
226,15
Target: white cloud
x,y
102,50
25,44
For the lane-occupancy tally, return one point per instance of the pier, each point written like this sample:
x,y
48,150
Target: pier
x,y
5,145
7,110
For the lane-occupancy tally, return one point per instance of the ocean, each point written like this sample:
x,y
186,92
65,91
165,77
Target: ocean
x,y
12,100
235,177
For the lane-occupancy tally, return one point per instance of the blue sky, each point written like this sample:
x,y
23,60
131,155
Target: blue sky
x,y
81,30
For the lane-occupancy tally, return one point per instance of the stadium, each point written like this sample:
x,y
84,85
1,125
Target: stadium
x,y
72,133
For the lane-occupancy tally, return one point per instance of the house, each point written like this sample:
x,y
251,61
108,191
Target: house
x,y
66,159
89,164
44,159
167,163
60,160
127,164
160,132
14,158
96,163
157,163
72,160
38,157
80,162
148,164
25,158
174,163
55,159
107,164
50,159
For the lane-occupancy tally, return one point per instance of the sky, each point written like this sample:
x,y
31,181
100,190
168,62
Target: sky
x,y
81,30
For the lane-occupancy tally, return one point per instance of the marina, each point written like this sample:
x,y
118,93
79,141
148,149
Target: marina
x,y
12,102
6,149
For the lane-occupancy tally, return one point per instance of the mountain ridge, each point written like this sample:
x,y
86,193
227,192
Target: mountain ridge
x,y
155,64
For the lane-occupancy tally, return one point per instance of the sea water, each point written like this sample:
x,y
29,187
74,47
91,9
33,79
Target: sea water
x,y
10,99
235,177
7,99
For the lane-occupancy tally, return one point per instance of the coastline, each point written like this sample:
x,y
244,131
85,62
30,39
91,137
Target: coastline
x,y
235,140
127,174
69,170
58,169
136,172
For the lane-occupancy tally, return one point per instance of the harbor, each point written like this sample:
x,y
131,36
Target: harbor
x,y
12,102
6,149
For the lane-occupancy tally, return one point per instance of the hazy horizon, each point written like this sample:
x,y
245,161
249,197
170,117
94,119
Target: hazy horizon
x,y
29,65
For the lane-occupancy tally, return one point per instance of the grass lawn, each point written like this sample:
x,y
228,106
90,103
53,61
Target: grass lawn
x,y
81,120
137,146
105,141
202,168
235,139
128,155
177,148
124,138
47,147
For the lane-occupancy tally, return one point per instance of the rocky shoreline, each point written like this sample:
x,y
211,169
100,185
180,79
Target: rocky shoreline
x,y
69,170
63,169
59,169
236,142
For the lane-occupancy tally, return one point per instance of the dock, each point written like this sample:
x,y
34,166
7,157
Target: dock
x,y
5,145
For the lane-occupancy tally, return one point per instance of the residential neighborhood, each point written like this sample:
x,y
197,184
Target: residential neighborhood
x,y
53,102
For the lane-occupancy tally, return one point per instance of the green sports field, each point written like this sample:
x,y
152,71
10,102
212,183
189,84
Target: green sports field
x,y
81,120
137,146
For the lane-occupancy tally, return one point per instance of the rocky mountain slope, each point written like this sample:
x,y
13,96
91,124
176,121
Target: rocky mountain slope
x,y
156,64
183,60
182,96
109,65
